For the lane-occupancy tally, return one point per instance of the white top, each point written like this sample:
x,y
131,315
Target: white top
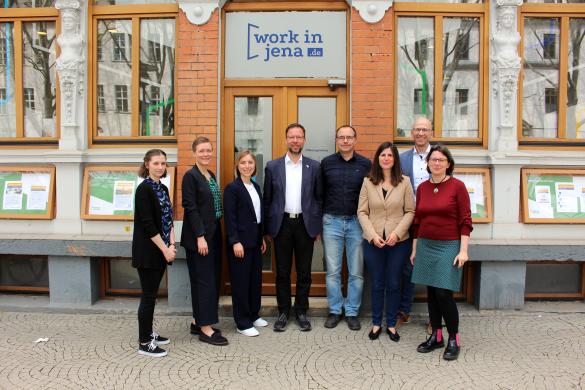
x,y
255,199
419,167
294,181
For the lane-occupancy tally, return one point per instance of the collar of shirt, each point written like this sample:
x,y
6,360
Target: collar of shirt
x,y
288,160
342,159
424,155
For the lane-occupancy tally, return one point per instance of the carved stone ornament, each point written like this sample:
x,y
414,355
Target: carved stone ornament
x,y
371,11
505,63
71,62
199,11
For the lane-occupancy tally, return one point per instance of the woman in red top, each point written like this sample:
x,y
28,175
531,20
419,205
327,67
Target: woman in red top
x,y
441,229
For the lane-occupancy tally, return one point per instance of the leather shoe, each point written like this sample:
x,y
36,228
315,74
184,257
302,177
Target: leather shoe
x,y
393,336
402,318
431,344
215,339
303,322
452,350
196,329
281,322
374,335
353,323
332,320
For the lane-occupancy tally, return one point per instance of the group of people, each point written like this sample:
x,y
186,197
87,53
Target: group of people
x,y
404,216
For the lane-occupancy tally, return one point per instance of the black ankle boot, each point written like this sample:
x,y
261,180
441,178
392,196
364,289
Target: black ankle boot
x,y
431,344
452,350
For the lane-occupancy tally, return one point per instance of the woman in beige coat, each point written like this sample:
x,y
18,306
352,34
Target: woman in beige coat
x,y
385,212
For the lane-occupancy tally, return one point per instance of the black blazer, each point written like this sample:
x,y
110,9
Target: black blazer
x,y
311,196
147,224
240,218
199,218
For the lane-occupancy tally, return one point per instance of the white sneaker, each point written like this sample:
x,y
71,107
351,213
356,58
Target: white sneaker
x,y
250,332
261,322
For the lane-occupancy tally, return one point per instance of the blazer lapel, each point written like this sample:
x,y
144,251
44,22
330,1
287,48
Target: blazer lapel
x,y
305,178
282,173
247,196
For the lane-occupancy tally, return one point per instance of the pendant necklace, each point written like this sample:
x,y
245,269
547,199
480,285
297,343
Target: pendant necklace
x,y
437,183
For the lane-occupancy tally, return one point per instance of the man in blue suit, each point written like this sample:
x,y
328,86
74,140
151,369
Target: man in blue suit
x,y
414,165
292,204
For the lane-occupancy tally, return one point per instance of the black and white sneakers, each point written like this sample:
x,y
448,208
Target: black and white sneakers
x,y
160,340
151,349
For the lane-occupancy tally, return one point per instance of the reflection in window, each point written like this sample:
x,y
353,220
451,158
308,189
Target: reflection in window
x,y
29,98
101,98
27,3
157,82
415,54
3,110
7,74
575,120
541,73
462,96
121,98
119,47
123,2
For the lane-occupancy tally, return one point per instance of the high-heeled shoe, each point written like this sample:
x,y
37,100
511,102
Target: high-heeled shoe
x,y
374,335
431,344
393,336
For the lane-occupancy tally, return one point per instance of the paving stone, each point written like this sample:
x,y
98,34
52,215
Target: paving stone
x,y
500,350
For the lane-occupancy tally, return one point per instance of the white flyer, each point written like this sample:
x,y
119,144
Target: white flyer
x,y
539,210
37,197
12,195
123,195
542,194
567,201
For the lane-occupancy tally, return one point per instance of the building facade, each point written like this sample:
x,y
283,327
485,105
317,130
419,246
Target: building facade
x,y
87,86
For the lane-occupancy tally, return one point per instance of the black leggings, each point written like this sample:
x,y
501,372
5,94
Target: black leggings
x,y
149,281
442,305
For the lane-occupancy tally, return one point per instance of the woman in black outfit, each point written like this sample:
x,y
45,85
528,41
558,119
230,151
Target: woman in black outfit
x,y
201,238
153,245
243,221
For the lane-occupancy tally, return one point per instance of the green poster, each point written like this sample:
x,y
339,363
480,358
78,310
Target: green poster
x,y
24,193
556,196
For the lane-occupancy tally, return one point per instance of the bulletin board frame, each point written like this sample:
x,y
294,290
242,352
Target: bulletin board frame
x,y
124,172
554,175
485,172
38,214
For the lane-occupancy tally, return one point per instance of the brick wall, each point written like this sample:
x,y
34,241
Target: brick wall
x,y
372,82
197,91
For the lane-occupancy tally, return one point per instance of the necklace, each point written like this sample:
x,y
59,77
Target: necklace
x,y
437,183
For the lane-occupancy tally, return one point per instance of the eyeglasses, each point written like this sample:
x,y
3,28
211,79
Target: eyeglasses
x,y
345,137
421,130
295,137
438,160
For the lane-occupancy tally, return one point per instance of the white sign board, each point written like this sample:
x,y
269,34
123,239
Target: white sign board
x,y
285,44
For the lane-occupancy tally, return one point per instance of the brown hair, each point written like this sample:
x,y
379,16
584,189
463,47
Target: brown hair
x,y
376,175
200,140
445,152
344,126
241,155
143,171
292,126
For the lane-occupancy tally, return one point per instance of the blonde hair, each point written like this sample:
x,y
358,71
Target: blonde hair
x,y
240,156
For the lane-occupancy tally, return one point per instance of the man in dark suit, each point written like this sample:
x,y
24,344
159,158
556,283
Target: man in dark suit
x,y
414,165
292,201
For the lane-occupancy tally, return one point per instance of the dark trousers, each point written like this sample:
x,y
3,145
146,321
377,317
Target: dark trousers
x,y
246,283
407,289
205,274
149,282
385,269
442,305
293,239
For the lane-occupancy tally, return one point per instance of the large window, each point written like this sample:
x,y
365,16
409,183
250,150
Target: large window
x,y
552,93
134,73
28,82
439,71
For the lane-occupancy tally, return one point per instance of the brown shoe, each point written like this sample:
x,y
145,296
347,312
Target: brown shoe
x,y
402,318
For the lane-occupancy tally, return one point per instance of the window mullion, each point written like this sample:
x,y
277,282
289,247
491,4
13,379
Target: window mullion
x,y
563,68
18,78
135,76
438,98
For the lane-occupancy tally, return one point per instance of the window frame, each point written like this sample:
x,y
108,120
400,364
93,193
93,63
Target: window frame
x,y
18,16
563,12
438,11
134,13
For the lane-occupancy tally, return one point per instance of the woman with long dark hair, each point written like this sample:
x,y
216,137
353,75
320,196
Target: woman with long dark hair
x,y
153,245
441,229
385,212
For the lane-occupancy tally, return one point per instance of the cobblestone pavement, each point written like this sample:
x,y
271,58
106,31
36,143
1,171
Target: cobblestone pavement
x,y
500,350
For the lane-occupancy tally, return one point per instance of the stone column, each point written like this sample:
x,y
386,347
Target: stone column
x,y
71,70
505,66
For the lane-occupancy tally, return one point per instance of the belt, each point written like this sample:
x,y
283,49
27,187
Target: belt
x,y
293,215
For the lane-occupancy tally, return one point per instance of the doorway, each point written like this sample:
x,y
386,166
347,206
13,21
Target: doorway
x,y
255,118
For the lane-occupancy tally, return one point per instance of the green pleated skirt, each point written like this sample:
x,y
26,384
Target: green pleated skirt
x,y
433,265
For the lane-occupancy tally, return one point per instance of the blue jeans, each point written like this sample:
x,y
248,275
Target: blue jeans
x,y
407,293
385,266
339,232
